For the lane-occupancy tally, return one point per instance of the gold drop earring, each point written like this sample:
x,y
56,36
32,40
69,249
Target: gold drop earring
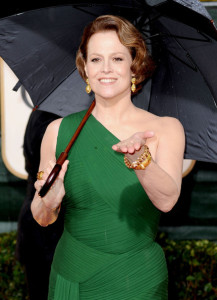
x,y
133,86
88,88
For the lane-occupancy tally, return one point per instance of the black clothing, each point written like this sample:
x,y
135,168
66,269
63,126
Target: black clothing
x,y
36,244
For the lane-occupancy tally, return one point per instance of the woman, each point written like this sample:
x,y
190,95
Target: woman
x,y
112,209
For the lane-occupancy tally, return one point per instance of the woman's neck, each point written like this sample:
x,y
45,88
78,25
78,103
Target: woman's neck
x,y
113,111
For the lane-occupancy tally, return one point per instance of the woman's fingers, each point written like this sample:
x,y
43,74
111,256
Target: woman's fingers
x,y
63,170
38,184
125,147
45,173
134,143
55,195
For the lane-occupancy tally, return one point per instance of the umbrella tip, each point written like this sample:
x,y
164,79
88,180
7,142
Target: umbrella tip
x,y
213,24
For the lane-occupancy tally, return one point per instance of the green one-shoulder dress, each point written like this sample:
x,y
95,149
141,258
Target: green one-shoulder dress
x,y
108,249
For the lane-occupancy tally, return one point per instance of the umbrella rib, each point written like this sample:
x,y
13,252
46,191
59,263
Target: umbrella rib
x,y
190,38
195,67
206,38
151,20
55,87
112,5
190,59
85,11
175,37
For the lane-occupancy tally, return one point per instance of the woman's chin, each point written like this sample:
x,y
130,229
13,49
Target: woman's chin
x,y
110,94
106,96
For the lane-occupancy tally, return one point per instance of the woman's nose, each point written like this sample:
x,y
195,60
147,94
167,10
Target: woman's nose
x,y
107,66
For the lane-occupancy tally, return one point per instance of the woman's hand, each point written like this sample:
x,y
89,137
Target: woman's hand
x,y
54,196
131,146
134,143
45,210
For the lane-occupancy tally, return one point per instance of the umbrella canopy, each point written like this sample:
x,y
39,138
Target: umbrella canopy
x,y
40,47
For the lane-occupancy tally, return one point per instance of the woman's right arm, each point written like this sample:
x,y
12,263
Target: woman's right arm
x,y
45,210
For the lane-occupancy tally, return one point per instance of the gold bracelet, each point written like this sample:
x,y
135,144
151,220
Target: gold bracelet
x,y
142,161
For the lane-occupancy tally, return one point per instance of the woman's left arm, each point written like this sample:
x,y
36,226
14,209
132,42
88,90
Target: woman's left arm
x,y
163,176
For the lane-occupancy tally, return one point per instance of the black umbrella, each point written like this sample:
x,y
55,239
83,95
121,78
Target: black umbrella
x,y
40,47
185,83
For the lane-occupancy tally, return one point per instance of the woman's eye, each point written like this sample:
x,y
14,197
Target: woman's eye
x,y
118,59
96,59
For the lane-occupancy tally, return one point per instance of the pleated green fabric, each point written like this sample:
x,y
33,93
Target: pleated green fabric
x,y
108,249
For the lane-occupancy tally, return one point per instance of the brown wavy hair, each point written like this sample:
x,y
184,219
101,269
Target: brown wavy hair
x,y
142,64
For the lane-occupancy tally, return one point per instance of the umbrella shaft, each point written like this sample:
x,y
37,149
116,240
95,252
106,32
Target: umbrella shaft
x,y
63,156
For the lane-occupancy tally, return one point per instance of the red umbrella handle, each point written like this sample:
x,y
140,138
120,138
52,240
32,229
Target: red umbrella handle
x,y
53,174
63,156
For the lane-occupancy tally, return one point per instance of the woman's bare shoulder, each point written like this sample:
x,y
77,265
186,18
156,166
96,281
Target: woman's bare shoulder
x,y
165,121
50,137
171,123
52,130
54,125
164,127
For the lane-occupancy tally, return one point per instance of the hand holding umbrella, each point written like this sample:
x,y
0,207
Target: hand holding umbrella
x,y
52,202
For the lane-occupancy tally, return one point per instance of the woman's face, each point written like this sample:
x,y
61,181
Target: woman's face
x,y
108,65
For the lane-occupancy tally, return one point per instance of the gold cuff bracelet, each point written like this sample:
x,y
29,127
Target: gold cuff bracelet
x,y
142,161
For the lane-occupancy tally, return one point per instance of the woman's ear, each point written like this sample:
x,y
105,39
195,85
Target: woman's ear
x,y
85,69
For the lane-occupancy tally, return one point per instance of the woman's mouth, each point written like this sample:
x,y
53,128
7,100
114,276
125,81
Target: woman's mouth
x,y
107,80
